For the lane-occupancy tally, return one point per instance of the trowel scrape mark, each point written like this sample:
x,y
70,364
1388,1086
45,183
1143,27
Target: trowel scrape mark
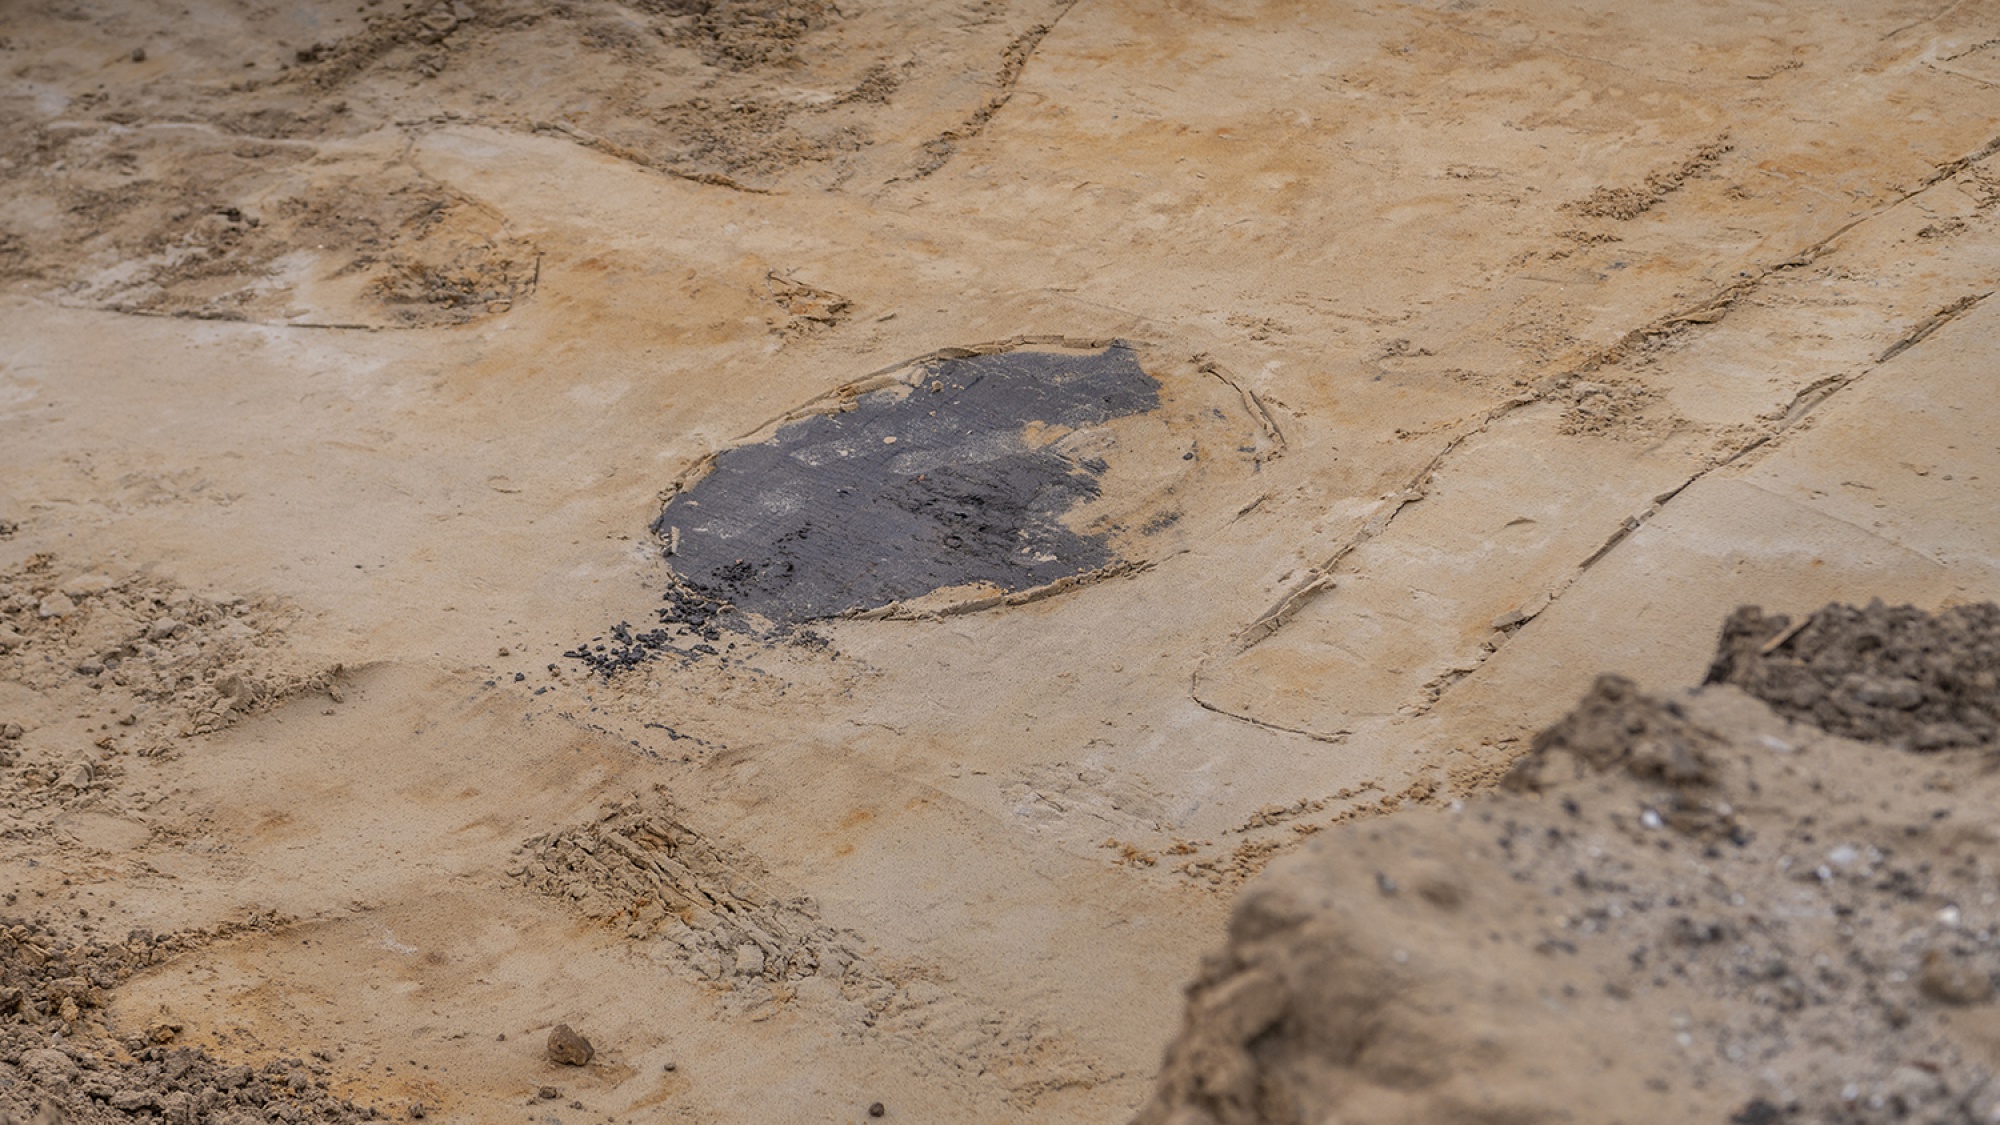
x,y
958,475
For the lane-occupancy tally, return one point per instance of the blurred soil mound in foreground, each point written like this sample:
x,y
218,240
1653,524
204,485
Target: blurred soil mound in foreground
x,y
1700,907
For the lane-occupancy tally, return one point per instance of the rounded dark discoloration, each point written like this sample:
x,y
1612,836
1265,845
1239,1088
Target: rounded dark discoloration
x,y
915,488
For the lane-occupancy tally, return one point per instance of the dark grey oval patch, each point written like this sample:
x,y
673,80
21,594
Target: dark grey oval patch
x,y
965,480
946,478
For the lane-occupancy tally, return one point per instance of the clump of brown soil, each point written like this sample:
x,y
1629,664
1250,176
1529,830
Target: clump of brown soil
x,y
58,1062
1618,410
1886,673
179,220
246,174
1679,908
238,171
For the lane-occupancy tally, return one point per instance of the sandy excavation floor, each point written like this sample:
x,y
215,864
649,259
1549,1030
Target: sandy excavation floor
x,y
349,353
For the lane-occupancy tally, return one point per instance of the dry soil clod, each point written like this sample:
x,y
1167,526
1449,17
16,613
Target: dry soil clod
x,y
567,1048
1948,979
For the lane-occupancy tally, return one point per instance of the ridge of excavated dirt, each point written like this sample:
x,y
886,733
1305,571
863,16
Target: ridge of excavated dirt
x,y
1677,908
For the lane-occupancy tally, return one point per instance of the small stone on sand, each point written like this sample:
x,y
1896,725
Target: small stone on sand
x,y
567,1048
1950,979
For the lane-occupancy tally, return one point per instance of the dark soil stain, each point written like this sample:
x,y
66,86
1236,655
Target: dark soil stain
x,y
912,490
958,476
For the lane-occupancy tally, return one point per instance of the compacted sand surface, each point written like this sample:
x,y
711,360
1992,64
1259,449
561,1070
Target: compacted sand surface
x,y
441,446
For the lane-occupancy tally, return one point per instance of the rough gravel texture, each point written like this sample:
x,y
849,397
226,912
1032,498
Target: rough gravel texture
x,y
60,1063
1886,673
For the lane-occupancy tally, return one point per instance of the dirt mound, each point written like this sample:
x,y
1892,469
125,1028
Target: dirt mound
x,y
1682,904
58,1063
1886,674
